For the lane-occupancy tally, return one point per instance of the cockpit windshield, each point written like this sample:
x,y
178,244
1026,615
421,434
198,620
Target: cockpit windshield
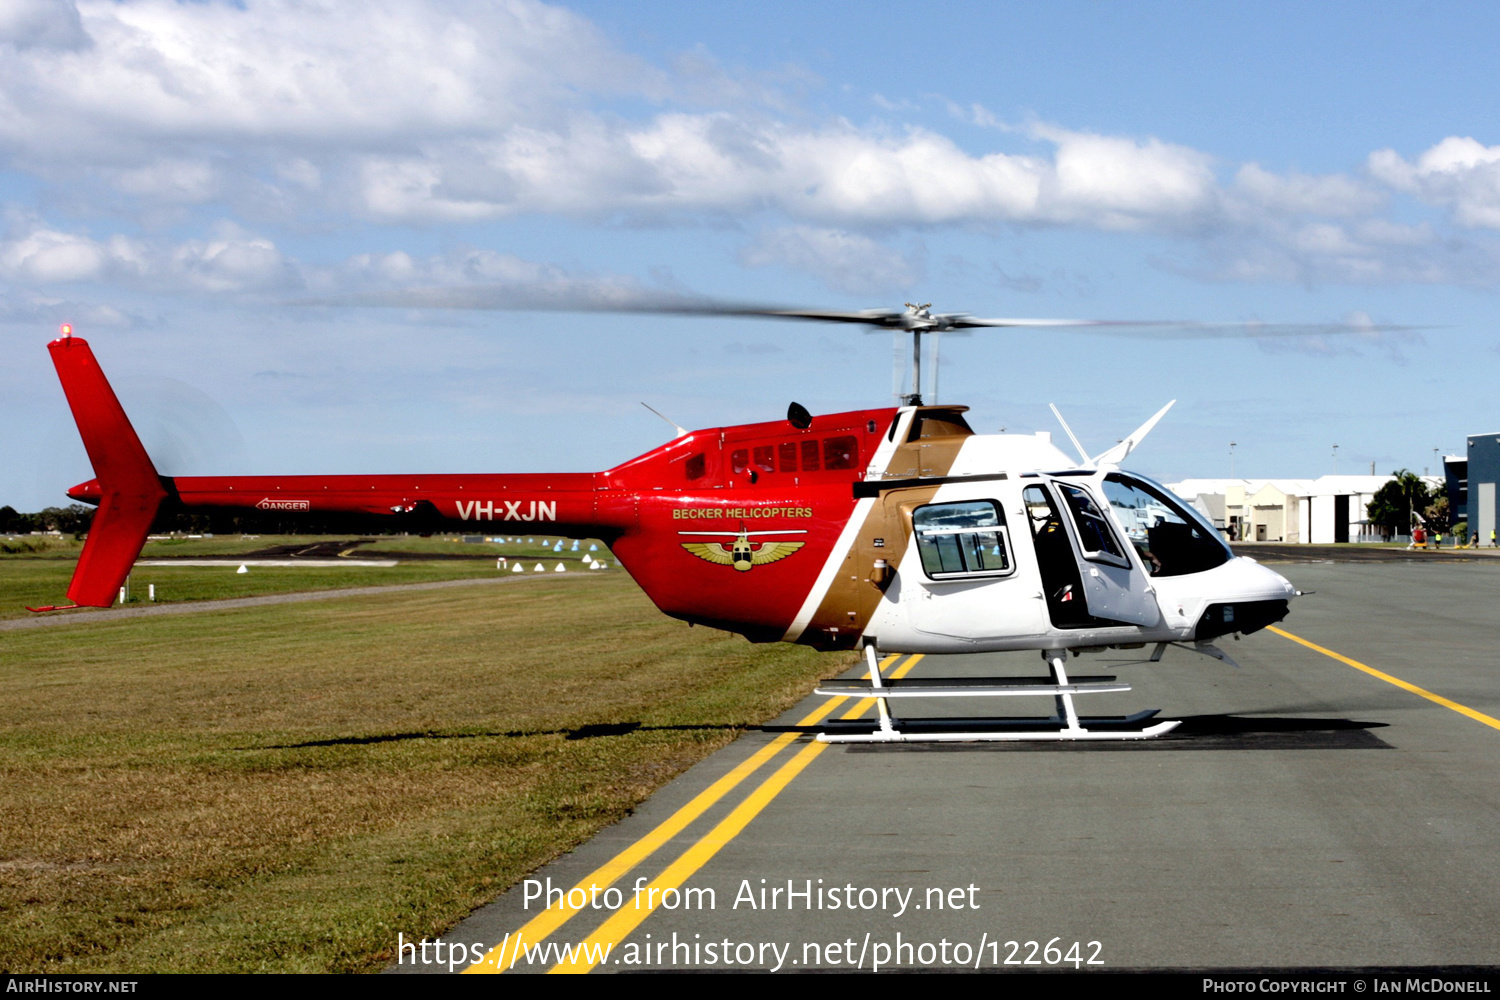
x,y
1172,538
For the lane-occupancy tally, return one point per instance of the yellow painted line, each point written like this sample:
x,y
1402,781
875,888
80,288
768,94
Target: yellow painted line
x,y
1404,685
629,917
536,930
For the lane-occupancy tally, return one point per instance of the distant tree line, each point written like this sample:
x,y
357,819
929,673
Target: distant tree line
x,y
73,519
1406,499
76,518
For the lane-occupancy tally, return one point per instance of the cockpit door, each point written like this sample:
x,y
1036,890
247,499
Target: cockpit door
x,y
1114,585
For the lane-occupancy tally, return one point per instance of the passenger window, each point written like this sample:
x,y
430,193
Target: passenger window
x,y
739,460
962,539
1094,534
765,458
840,453
788,456
809,456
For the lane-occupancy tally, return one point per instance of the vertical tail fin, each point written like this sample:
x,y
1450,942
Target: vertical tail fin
x,y
130,491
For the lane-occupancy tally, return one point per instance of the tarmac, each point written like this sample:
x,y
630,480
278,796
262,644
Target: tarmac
x,y
1331,803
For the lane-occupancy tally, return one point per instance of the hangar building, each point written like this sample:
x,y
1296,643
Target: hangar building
x,y
1482,475
1327,509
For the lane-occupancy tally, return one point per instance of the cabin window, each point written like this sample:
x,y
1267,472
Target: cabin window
x,y
809,456
788,455
1171,538
840,453
695,466
958,540
765,458
1094,535
739,460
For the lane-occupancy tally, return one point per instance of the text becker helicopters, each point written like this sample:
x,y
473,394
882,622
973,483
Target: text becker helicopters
x,y
897,529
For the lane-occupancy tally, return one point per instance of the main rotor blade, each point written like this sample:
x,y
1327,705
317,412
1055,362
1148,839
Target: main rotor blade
x,y
1167,329
1252,330
568,297
574,297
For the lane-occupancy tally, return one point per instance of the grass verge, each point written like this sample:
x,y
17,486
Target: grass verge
x,y
41,578
284,788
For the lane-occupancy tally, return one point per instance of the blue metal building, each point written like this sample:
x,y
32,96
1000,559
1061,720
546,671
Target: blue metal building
x,y
1483,474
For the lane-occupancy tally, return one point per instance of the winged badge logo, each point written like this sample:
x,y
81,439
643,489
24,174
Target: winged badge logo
x,y
742,554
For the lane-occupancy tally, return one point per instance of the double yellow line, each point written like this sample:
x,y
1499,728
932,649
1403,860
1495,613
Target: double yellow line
x,y
627,918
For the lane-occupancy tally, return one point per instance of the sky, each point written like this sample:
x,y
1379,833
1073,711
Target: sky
x,y
237,204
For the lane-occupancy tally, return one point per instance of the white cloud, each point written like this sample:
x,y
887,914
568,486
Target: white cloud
x,y
172,181
1331,195
433,112
1370,251
457,267
886,104
476,279
47,257
231,261
846,262
1459,172
978,114
421,111
280,69
1124,183
41,24
253,105
31,309
835,174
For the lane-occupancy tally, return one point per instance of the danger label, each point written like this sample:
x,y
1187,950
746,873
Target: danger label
x,y
269,504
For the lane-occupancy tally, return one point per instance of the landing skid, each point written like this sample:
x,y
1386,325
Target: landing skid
x,y
1065,725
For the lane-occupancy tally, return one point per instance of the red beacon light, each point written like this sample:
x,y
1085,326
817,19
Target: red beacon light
x,y
66,329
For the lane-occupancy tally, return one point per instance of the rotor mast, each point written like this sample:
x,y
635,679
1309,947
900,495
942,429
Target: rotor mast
x,y
918,320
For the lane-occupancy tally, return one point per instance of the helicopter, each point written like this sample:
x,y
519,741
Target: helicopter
x,y
892,530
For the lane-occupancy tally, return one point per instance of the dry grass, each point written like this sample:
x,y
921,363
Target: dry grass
x,y
285,788
34,546
35,582
41,577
